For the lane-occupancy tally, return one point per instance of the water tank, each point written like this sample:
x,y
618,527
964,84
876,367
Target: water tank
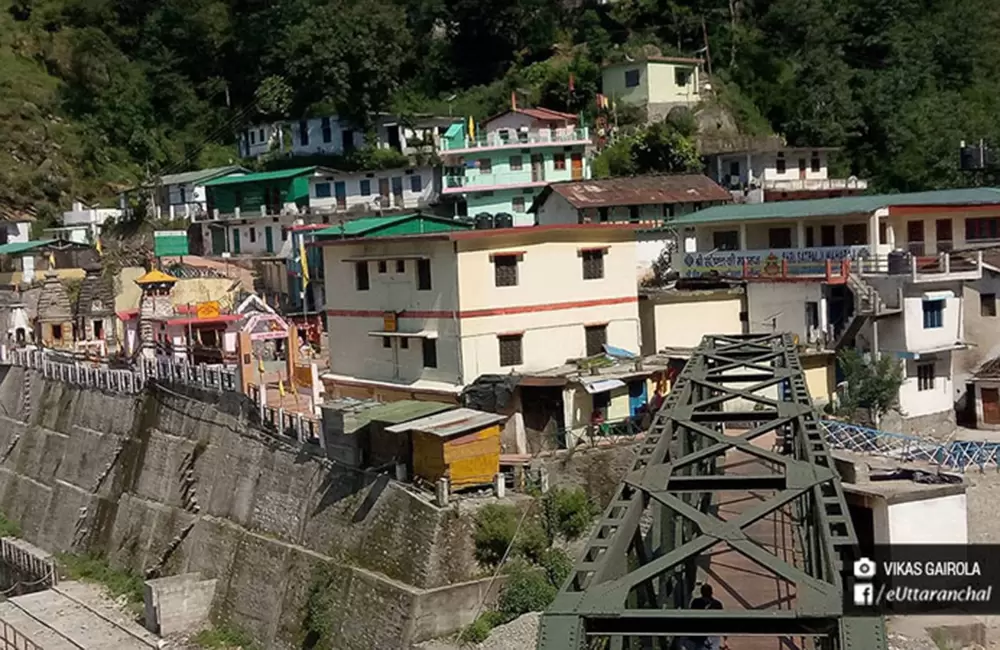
x,y
899,262
484,221
503,220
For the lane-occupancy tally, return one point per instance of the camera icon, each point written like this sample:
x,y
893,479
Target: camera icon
x,y
864,569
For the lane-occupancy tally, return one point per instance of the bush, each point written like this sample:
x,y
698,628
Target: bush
x,y
93,568
225,636
527,590
568,512
8,528
557,565
533,541
495,528
479,629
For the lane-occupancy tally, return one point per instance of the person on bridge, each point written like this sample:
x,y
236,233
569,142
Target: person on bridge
x,y
707,601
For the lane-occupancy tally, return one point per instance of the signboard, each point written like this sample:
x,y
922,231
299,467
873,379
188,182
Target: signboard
x,y
170,243
800,261
208,309
389,322
266,327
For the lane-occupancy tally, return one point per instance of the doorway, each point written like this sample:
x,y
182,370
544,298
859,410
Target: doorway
x,y
802,169
991,405
576,163
383,192
537,168
236,240
218,241
915,237
269,239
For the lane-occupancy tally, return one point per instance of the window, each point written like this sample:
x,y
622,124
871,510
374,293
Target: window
x,y
361,276
304,133
510,349
943,232
327,131
366,187
404,343
485,165
386,342
400,266
631,78
633,213
505,270
726,240
593,264
734,168
779,237
517,204
982,228
812,314
430,353
933,314
779,164
559,160
382,266
424,275
516,163
253,137
261,135
828,235
802,165
284,235
596,337
682,76
814,163
602,214
925,376
323,191
855,234
253,234
416,184
988,305
57,332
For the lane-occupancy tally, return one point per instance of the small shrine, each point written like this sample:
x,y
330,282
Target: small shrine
x,y
95,312
54,323
155,309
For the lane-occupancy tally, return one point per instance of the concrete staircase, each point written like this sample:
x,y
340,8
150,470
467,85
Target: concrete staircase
x,y
868,305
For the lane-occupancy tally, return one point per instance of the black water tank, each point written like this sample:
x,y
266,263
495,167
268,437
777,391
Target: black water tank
x,y
899,263
503,220
484,221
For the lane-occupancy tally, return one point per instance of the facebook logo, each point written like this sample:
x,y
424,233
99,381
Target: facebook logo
x,y
864,594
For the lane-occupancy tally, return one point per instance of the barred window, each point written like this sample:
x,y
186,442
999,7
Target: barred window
x,y
505,270
593,265
511,349
596,337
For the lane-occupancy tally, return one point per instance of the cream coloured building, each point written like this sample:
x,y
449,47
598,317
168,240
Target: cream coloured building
x,y
427,314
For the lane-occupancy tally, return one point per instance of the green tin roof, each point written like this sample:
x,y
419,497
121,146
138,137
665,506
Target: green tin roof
x,y
413,223
837,206
261,176
22,246
403,411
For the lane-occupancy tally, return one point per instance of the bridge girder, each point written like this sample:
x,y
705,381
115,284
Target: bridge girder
x,y
634,582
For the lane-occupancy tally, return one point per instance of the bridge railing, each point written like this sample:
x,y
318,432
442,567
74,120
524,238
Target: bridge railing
x,y
956,455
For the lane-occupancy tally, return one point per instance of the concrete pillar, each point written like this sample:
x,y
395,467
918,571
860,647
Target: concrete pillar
x,y
236,212
442,492
401,472
543,480
263,210
245,359
173,214
499,485
873,234
300,428
281,420
743,237
800,234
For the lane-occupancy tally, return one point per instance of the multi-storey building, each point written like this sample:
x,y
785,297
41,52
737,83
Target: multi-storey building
x,y
767,170
879,272
656,84
429,313
501,166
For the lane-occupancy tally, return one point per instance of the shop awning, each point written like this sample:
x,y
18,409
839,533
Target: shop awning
x,y
938,295
407,335
602,385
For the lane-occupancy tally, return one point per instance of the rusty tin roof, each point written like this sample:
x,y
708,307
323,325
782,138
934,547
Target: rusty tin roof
x,y
639,190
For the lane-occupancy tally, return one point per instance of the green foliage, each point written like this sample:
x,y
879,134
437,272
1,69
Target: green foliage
x,y
527,590
479,629
495,528
871,384
663,147
94,568
568,512
225,637
8,528
558,565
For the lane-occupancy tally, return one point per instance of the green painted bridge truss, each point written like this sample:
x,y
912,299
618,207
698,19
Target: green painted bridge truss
x,y
738,421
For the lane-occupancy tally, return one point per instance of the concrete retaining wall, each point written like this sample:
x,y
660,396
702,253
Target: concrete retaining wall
x,y
170,482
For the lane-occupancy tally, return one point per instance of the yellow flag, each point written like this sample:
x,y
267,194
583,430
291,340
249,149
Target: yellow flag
x,y
304,262
281,387
260,366
472,129
52,260
100,249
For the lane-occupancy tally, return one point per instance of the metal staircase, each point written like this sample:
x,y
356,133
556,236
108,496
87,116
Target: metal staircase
x,y
868,305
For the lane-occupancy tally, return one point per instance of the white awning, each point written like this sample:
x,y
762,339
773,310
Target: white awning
x,y
602,385
407,335
938,295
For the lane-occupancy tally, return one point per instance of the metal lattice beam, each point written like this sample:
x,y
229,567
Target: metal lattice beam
x,y
634,583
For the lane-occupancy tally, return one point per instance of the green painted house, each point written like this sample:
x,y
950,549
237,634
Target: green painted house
x,y
249,194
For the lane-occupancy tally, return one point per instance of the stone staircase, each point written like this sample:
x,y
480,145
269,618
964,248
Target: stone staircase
x,y
868,305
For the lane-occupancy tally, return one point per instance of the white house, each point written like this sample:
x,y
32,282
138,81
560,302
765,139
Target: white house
x,y
771,171
331,190
257,140
15,224
183,195
83,224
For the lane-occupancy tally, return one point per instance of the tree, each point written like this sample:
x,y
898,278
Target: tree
x,y
871,384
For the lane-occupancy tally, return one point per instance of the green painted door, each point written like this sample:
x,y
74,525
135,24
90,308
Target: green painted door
x,y
236,240
269,239
218,241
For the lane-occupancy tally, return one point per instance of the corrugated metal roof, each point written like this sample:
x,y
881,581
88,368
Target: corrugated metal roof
x,y
404,411
19,247
199,175
261,176
371,225
450,423
838,206
989,370
639,190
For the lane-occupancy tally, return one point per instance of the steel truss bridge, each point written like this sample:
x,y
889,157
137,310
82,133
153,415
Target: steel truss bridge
x,y
734,485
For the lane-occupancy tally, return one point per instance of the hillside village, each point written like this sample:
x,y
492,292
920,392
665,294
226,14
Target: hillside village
x,y
480,303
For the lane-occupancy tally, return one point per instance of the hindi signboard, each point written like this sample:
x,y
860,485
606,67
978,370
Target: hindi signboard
x,y
170,243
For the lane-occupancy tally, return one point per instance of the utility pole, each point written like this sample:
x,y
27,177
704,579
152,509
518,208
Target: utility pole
x,y
708,52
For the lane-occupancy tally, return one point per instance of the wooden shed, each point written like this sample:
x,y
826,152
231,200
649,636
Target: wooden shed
x,y
462,445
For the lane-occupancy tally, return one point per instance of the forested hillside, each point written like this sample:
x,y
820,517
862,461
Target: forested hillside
x,y
95,94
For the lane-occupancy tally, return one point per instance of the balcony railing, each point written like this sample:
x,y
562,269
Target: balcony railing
x,y
815,184
777,262
518,139
512,179
930,268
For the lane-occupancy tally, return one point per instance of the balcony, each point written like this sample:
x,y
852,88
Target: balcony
x,y
489,182
829,263
945,266
815,184
509,139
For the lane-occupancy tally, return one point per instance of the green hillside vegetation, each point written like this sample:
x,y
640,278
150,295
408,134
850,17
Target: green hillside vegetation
x,y
97,94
